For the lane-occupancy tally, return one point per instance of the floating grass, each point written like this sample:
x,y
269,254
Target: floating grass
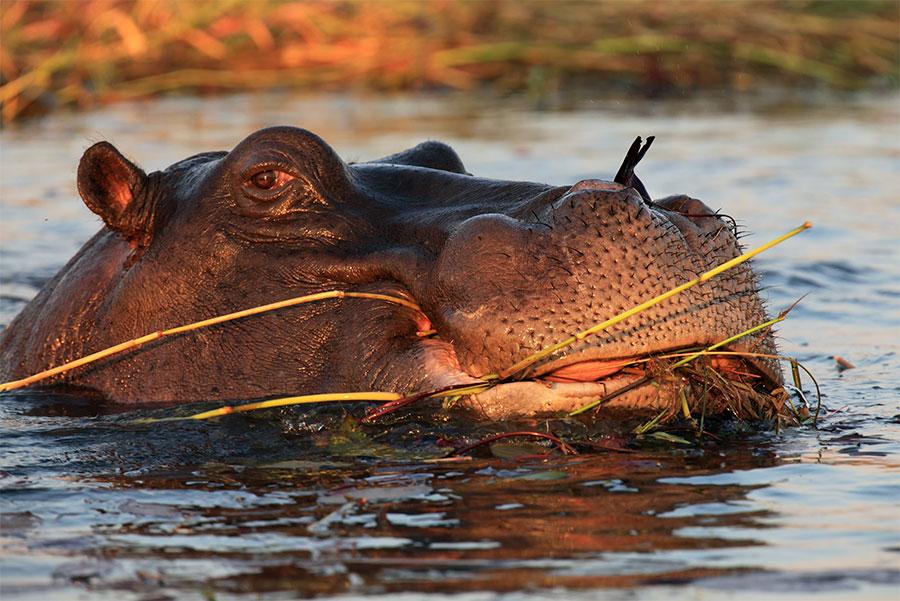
x,y
720,395
560,444
710,350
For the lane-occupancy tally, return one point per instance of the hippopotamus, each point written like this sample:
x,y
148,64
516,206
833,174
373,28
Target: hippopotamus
x,y
494,271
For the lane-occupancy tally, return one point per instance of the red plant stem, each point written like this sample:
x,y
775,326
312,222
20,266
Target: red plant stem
x,y
377,412
566,449
387,408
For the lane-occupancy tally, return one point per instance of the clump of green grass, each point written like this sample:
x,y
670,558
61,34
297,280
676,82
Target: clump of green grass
x,y
81,53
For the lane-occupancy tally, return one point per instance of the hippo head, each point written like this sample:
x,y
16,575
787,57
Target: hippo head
x,y
499,269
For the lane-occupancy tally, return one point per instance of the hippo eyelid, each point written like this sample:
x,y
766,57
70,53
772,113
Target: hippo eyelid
x,y
261,166
275,159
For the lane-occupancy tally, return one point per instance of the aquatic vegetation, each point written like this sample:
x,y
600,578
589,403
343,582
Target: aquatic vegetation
x,y
80,53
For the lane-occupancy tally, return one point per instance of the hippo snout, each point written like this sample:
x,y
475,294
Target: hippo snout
x,y
510,286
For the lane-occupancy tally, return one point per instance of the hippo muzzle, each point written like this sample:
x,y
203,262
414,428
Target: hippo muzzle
x,y
500,270
557,269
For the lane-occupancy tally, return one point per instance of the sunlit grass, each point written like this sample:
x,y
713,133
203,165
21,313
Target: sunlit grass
x,y
79,53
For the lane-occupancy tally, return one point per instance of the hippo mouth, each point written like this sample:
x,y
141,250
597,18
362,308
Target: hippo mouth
x,y
589,366
623,383
571,382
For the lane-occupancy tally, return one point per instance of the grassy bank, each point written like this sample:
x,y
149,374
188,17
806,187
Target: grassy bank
x,y
79,53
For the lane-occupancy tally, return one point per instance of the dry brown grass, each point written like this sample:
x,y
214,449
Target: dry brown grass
x,y
59,53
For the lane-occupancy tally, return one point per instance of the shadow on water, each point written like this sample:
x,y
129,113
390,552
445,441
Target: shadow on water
x,y
289,503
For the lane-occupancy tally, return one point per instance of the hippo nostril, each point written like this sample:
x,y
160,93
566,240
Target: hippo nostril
x,y
696,210
687,206
596,184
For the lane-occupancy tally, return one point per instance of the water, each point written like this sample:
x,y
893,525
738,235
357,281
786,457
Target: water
x,y
279,505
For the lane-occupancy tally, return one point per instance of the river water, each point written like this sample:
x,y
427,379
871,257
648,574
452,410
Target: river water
x,y
277,506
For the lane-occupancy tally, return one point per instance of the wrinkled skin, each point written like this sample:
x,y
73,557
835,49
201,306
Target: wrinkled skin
x,y
500,269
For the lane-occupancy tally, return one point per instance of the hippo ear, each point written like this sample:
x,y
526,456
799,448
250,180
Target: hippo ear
x,y
112,186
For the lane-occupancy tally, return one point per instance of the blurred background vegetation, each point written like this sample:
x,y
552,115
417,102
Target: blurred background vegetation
x,y
78,53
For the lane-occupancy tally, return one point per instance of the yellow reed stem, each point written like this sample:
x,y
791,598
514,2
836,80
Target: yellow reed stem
x,y
546,351
331,397
685,409
708,353
729,340
136,342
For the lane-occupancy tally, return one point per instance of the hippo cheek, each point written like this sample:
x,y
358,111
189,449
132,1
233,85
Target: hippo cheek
x,y
490,265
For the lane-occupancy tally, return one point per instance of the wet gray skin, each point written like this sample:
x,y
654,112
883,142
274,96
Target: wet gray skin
x,y
500,269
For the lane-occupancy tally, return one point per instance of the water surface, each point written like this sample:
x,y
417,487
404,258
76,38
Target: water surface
x,y
279,505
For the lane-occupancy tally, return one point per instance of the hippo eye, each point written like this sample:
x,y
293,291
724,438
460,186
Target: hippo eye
x,y
265,180
268,180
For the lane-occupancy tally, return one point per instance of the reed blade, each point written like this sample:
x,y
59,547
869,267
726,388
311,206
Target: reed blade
x,y
136,342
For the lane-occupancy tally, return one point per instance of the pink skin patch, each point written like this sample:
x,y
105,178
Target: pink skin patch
x,y
119,194
586,371
423,324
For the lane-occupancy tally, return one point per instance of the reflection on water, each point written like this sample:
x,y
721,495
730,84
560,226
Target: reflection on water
x,y
283,504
